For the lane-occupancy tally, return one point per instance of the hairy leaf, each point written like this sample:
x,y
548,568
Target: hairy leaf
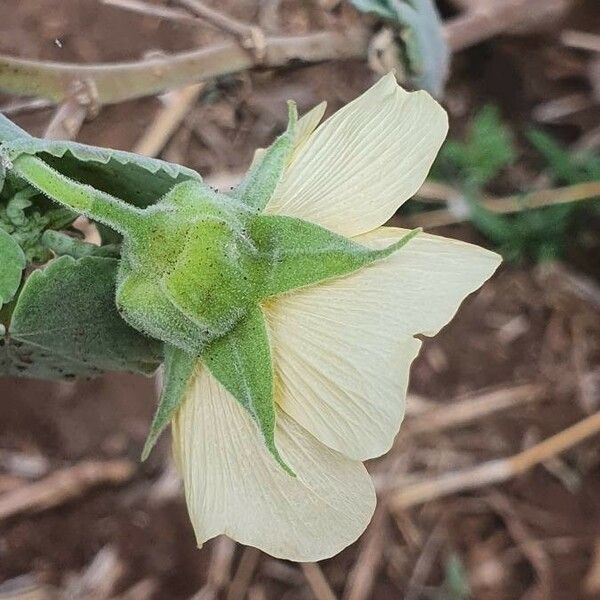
x,y
242,363
12,263
62,244
10,132
177,374
136,179
66,313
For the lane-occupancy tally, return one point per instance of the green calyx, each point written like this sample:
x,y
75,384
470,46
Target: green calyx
x,y
196,266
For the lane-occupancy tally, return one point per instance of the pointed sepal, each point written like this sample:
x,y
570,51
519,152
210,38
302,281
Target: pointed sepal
x,y
241,361
178,375
296,253
258,186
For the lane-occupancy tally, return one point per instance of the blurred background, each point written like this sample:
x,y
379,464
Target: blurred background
x,y
492,490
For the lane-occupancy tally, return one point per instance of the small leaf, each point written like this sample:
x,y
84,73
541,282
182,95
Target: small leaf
x,y
12,263
66,313
259,184
62,244
178,371
241,361
567,167
297,253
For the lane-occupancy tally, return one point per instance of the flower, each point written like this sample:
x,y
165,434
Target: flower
x,y
341,348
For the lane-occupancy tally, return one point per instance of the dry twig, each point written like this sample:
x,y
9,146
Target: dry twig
x,y
531,548
487,19
219,569
511,204
245,573
64,485
478,406
67,120
72,111
495,471
251,37
154,10
318,582
581,40
366,567
425,562
177,106
117,82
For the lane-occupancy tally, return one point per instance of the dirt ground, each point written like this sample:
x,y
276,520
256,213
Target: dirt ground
x,y
536,536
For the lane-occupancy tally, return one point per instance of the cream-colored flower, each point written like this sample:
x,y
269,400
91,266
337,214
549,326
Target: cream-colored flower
x,y
342,349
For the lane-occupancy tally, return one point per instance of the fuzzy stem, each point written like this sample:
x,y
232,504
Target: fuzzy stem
x,y
82,198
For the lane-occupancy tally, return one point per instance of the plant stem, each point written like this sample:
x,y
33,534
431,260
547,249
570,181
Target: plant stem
x,y
82,198
117,82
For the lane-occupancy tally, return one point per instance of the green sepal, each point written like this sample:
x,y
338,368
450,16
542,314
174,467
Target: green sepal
x,y
258,185
241,361
179,368
210,282
65,323
12,263
296,253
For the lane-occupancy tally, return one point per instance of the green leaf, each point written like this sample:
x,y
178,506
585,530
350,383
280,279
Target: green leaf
x,y
12,263
381,8
241,362
9,131
137,179
296,253
487,150
177,375
567,167
18,359
456,580
420,28
259,184
62,244
65,319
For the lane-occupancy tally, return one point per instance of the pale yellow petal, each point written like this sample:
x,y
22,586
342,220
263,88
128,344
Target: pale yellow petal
x,y
362,163
305,128
343,349
234,486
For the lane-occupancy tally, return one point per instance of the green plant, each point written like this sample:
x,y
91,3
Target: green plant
x,y
532,234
